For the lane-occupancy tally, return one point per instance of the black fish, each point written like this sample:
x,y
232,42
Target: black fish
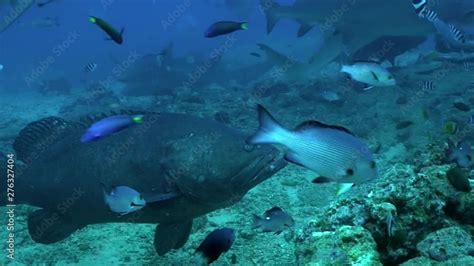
x,y
404,124
52,143
46,3
273,220
402,100
462,106
113,33
255,54
224,27
216,243
459,179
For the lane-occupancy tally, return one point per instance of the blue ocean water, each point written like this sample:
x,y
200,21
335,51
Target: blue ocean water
x,y
244,132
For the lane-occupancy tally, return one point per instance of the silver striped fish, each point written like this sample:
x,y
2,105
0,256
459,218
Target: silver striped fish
x,y
332,152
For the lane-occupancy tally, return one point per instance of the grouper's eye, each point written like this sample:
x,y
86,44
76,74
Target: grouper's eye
x,y
390,77
372,164
350,171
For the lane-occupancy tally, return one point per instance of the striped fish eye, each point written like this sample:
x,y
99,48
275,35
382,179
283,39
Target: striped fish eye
x,y
350,171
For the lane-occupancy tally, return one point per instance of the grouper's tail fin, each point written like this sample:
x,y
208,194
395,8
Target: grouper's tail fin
x,y
269,7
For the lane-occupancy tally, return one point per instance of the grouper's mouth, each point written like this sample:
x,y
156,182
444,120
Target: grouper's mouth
x,y
260,169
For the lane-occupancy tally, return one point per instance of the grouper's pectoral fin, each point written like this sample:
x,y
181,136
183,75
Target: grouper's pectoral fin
x,y
171,236
48,227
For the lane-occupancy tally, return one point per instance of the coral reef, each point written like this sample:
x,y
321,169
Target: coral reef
x,y
419,204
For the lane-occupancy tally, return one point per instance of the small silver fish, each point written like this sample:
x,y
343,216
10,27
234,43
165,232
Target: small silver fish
x,y
273,220
372,74
123,199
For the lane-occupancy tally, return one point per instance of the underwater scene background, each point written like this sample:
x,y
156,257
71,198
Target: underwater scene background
x,y
236,132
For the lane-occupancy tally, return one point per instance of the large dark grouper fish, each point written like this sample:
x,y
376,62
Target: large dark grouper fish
x,y
207,165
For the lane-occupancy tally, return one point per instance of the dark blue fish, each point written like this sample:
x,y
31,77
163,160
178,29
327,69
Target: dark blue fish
x,y
224,27
255,54
216,243
273,220
114,34
42,4
108,126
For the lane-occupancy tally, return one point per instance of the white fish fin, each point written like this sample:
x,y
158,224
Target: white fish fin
x,y
343,188
345,69
368,88
292,158
269,131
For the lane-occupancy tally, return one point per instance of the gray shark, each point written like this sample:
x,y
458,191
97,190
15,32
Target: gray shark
x,y
12,14
355,24
201,163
